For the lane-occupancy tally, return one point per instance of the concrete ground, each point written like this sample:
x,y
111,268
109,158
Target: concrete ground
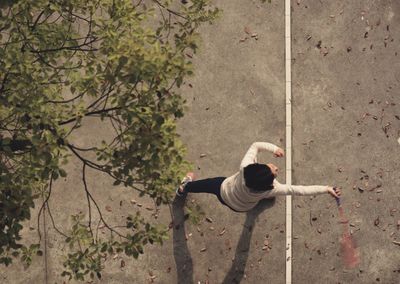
x,y
345,74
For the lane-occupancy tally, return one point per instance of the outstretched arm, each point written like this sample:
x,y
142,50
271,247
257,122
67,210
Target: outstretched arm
x,y
285,189
251,155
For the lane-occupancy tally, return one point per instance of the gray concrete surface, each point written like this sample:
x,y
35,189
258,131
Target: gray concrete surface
x,y
344,94
345,91
237,98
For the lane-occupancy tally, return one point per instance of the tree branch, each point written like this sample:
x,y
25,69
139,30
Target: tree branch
x,y
43,206
89,195
90,113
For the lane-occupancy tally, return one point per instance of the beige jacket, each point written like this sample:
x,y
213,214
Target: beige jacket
x,y
239,197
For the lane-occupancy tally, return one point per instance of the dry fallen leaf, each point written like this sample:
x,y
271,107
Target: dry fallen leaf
x,y
203,249
108,208
222,231
325,51
208,219
247,30
376,222
122,263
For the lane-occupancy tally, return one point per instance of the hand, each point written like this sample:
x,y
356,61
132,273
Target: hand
x,y
335,194
279,153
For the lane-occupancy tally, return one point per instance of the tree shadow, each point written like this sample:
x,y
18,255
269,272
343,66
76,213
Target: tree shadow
x,y
183,259
236,272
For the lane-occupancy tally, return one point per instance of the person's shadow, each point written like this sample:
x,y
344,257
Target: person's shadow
x,y
183,259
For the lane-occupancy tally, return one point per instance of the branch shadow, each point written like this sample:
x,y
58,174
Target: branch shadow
x,y
236,272
183,259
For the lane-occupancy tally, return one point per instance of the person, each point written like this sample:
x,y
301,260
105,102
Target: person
x,y
253,182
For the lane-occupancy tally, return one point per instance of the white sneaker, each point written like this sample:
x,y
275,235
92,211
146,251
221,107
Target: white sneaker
x,y
180,191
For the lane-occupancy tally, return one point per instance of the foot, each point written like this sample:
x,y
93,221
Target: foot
x,y
180,191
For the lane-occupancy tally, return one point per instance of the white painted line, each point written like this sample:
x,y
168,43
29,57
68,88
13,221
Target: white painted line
x,y
288,104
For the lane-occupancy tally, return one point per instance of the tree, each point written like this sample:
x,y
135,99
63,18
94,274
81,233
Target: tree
x,y
120,62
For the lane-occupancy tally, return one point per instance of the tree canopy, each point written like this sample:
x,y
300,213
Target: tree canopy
x,y
120,62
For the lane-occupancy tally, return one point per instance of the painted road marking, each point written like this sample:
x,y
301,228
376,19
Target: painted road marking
x,y
288,90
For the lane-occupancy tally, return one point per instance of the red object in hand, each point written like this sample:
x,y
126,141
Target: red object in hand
x,y
351,257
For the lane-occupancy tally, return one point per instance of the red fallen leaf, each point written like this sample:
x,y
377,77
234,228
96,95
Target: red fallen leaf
x,y
377,221
108,208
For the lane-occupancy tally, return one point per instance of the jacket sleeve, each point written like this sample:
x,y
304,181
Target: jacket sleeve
x,y
251,155
285,189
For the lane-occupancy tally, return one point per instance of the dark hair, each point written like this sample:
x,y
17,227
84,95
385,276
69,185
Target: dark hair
x,y
258,177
